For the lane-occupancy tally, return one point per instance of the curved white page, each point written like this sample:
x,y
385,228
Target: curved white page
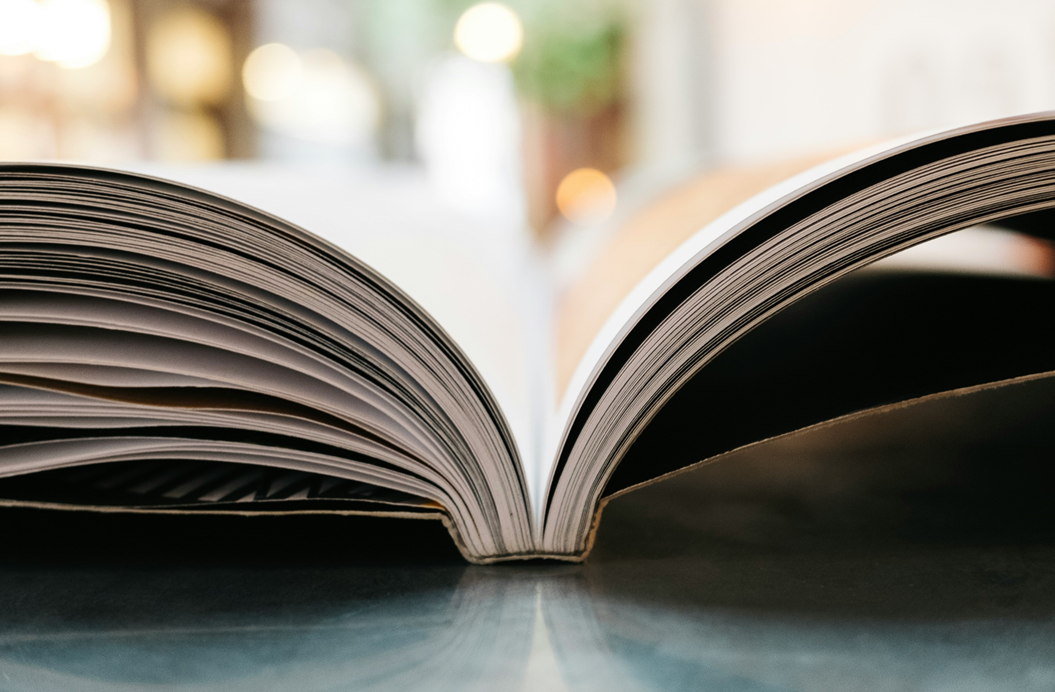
x,y
481,283
691,252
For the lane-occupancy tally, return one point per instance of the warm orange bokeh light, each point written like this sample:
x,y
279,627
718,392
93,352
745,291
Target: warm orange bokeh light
x,y
188,58
586,196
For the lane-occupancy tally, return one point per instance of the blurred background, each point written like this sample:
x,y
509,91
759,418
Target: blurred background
x,y
553,116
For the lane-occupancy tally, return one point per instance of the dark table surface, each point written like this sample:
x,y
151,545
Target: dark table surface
x,y
911,551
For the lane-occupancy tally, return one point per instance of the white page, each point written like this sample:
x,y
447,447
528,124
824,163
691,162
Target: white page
x,y
654,285
484,285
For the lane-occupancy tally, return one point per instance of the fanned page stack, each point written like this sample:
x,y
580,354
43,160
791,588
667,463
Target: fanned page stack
x,y
166,349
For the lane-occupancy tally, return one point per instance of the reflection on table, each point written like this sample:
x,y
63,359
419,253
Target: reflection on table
x,y
913,550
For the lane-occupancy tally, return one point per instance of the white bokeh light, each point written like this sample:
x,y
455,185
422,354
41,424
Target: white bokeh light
x,y
19,26
328,101
468,137
73,33
489,32
271,72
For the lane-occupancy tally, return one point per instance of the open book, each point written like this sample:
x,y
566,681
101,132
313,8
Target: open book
x,y
166,349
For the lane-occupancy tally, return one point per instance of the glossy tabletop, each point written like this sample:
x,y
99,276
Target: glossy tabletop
x,y
915,551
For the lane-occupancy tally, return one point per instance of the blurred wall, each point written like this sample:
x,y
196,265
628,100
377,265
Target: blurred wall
x,y
683,85
744,80
671,77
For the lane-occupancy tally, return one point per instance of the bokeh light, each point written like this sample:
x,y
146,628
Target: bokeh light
x,y
326,99
489,32
189,58
586,197
19,25
272,72
73,33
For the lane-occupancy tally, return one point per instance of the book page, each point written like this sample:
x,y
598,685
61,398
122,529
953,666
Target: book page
x,y
598,302
482,282
646,239
315,350
647,256
757,259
